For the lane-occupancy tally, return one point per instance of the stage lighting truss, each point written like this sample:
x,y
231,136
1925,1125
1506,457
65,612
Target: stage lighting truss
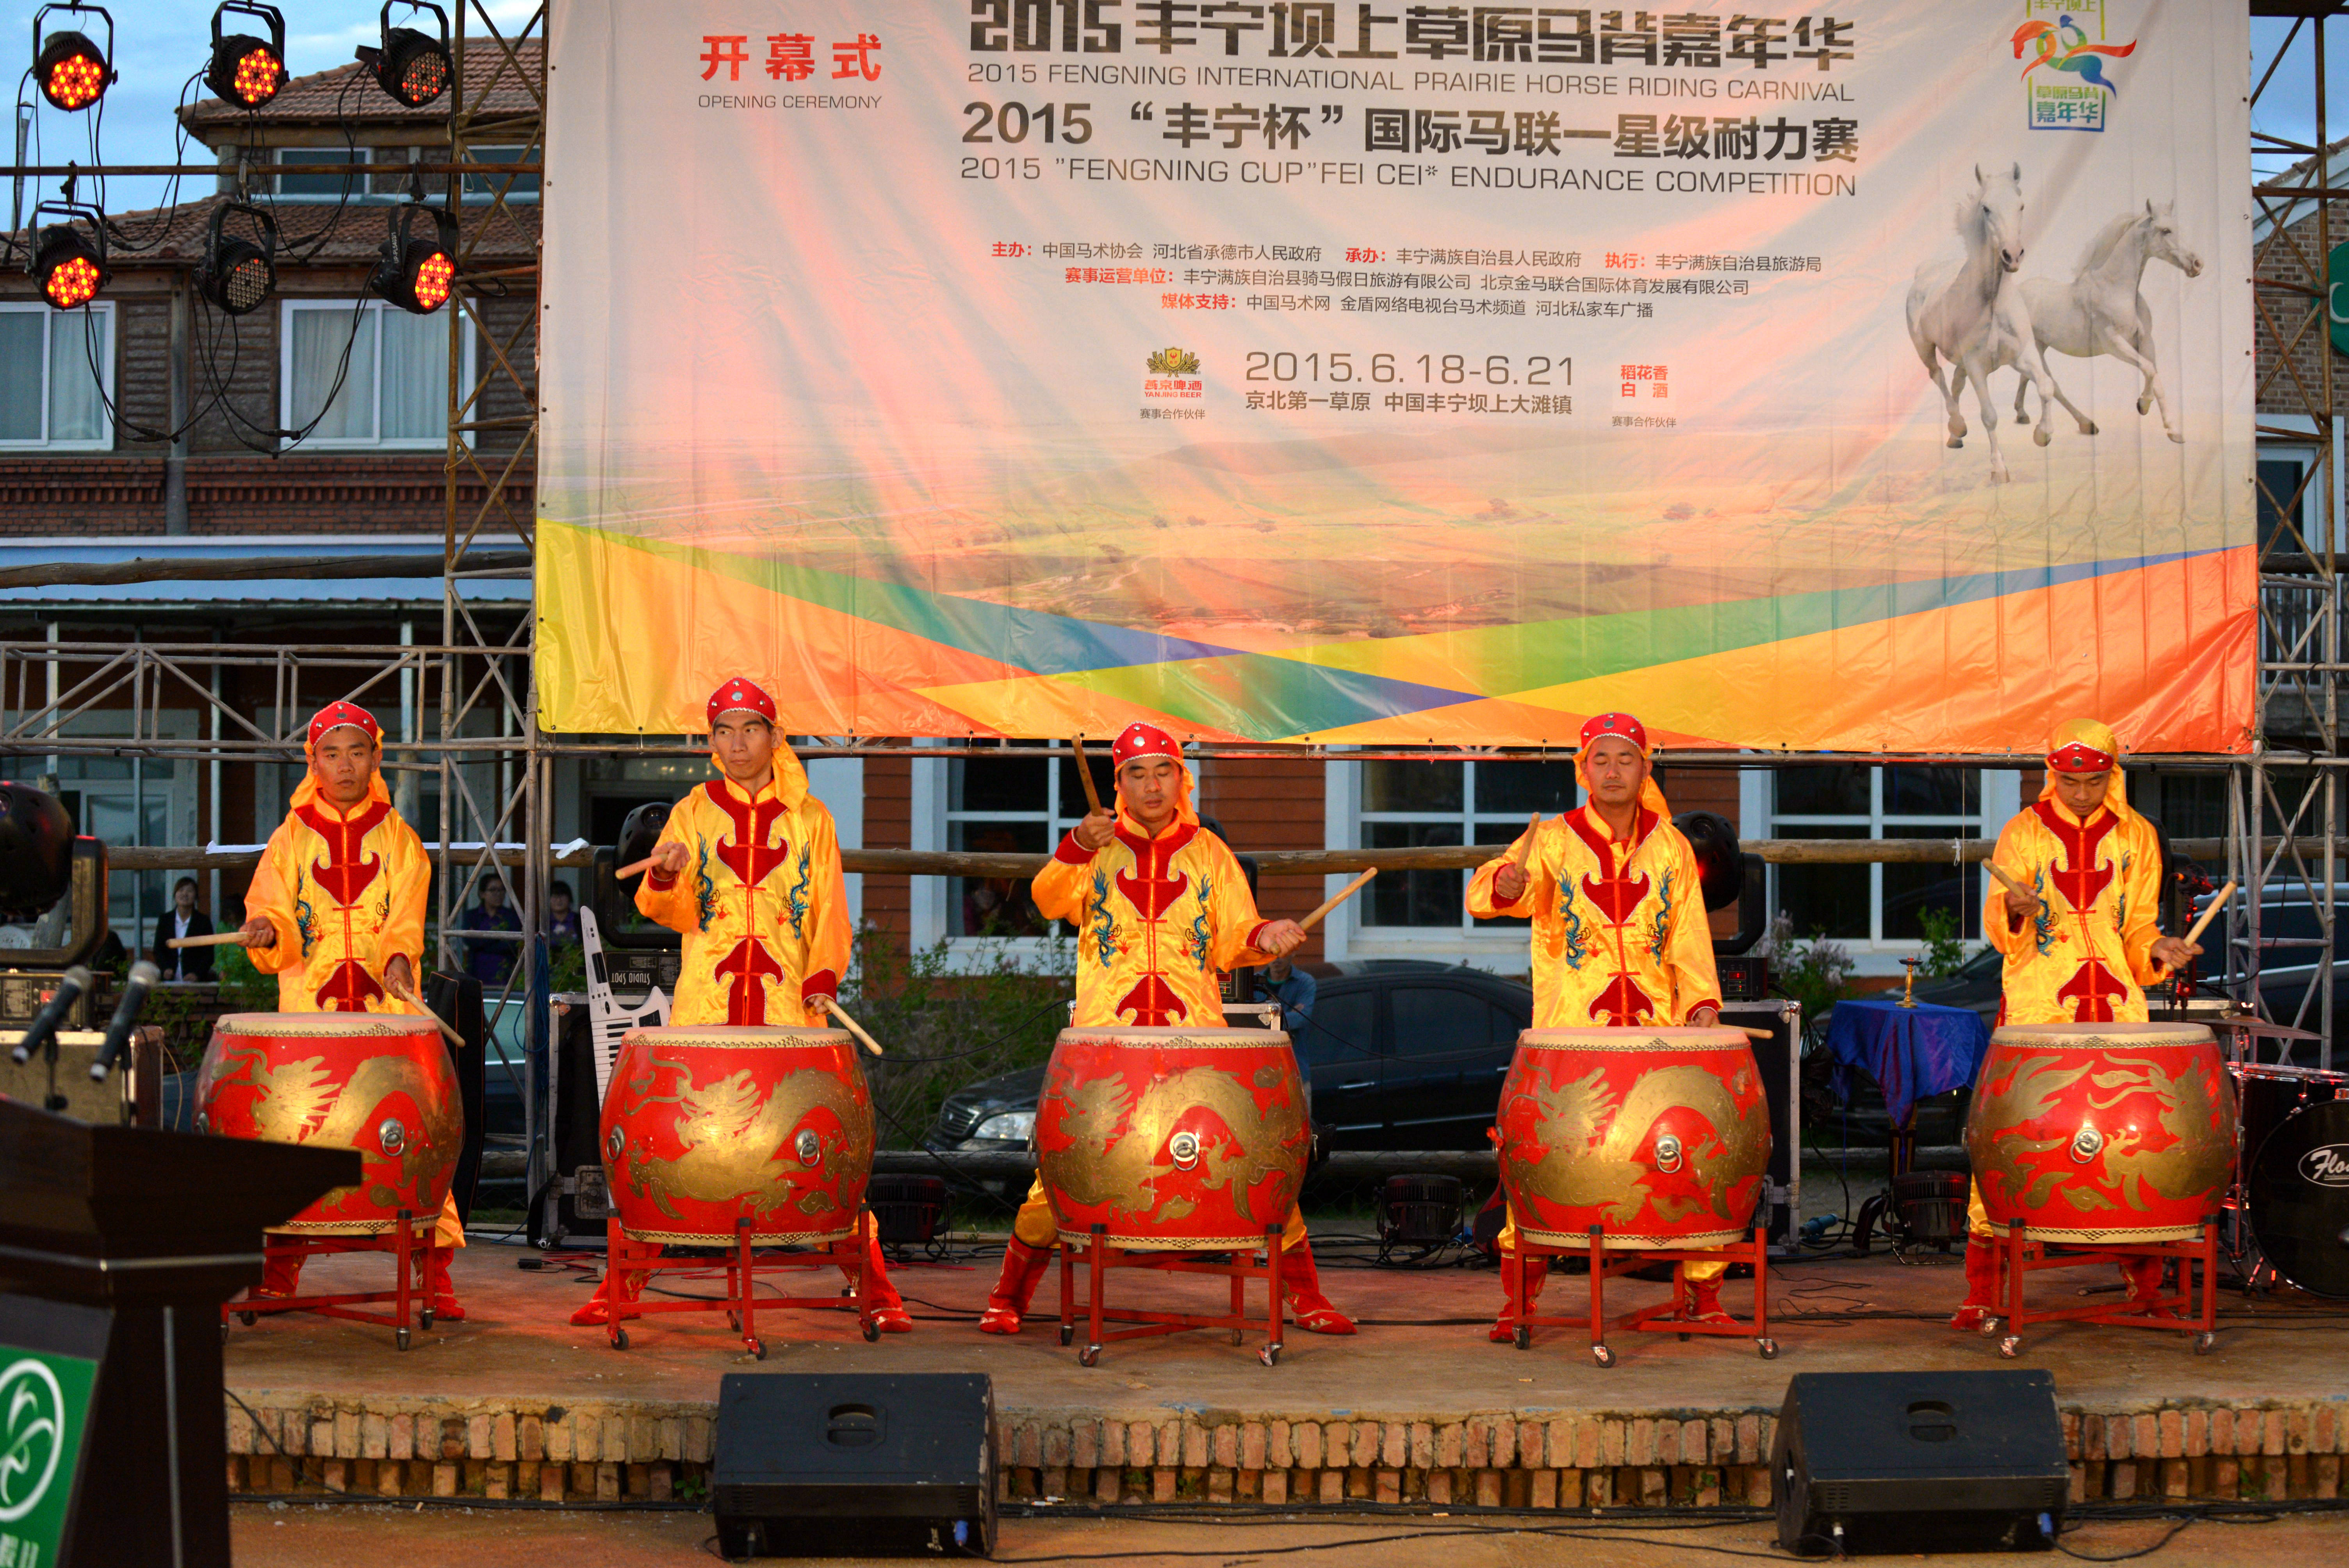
x,y
73,72
239,273
412,67
67,263
417,272
247,71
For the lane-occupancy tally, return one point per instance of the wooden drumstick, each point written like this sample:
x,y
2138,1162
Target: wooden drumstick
x,y
217,939
1085,777
408,995
2013,886
1334,900
625,872
2218,902
1752,1034
852,1026
1524,851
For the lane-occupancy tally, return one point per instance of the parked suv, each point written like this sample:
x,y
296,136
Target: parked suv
x,y
1401,1054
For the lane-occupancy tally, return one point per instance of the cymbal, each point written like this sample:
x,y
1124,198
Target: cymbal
x,y
2261,1026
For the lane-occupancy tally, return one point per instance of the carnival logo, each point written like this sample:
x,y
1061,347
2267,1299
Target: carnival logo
x,y
2064,86
1173,362
2327,1166
32,1436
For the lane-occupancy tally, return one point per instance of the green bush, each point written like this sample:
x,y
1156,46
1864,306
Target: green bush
x,y
942,1030
1945,949
1815,972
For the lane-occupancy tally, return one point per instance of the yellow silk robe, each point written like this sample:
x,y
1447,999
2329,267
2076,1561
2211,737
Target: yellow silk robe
x,y
1158,922
761,901
345,891
1620,934
2086,958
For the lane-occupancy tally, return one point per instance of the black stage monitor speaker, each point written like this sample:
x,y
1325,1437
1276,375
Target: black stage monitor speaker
x,y
839,1464
1919,1461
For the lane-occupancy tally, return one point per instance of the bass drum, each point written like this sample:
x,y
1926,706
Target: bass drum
x,y
2299,1197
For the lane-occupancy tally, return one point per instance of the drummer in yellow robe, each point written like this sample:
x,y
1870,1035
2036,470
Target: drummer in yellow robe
x,y
1163,910
2081,946
335,911
1620,934
748,870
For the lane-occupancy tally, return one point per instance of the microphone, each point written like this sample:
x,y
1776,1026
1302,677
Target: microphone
x,y
45,1023
143,976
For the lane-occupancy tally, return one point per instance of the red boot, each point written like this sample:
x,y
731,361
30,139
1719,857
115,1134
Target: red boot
x,y
888,1309
2144,1277
1981,1308
1702,1303
1015,1287
1505,1327
433,1266
627,1288
1301,1284
280,1268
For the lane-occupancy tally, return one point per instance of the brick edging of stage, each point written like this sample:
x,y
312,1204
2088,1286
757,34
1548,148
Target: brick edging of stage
x,y
608,1451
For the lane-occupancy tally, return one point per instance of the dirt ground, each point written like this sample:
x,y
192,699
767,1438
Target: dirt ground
x,y
287,1536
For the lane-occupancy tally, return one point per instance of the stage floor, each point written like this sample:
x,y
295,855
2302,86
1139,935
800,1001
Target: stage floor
x,y
516,1402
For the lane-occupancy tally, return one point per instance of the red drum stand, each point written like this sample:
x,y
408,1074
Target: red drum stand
x,y
1099,1258
632,1265
1607,1261
2019,1255
406,1242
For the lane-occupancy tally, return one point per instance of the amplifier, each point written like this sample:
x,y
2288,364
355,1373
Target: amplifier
x,y
1742,979
1919,1461
1779,1059
855,1464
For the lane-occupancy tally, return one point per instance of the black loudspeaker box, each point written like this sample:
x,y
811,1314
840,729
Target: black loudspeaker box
x,y
855,1464
1919,1461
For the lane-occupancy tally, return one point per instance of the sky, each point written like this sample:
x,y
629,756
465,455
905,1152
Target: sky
x,y
160,43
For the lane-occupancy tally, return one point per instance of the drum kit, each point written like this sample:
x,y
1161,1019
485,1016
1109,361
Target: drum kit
x,y
1173,1151
380,1083
1630,1148
2294,1195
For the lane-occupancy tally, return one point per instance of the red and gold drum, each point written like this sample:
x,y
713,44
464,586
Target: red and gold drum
x,y
1176,1140
704,1125
380,1083
1659,1136
2103,1132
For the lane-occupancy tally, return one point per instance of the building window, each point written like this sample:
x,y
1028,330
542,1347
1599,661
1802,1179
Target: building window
x,y
1426,805
516,187
1882,903
57,378
392,389
323,173
1019,802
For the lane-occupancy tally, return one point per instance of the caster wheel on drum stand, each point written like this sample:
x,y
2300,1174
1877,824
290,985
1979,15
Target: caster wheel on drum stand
x,y
619,1339
424,1318
1768,1347
1089,1355
1603,1355
1990,1327
223,1334
2203,1342
1068,1335
872,1330
2009,1344
1270,1354
1521,1338
399,1338
1686,1337
248,1318
758,1349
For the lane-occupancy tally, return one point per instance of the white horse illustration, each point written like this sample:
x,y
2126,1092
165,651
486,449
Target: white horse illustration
x,y
1973,314
2101,310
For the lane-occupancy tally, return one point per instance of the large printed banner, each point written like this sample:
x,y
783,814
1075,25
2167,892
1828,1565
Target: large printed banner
x,y
1868,379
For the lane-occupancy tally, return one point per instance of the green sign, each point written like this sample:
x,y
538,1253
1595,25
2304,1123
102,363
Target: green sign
x,y
2336,281
44,1415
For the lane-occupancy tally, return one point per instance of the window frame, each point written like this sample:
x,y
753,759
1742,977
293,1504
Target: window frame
x,y
484,194
1999,798
375,309
931,828
108,376
363,165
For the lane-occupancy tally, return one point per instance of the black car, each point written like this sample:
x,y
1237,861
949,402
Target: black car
x,y
1401,1054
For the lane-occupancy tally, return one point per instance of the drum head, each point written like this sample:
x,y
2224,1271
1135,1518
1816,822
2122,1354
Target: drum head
x,y
2299,1193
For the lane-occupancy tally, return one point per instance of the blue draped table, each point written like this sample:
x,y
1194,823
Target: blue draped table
x,y
1912,1053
